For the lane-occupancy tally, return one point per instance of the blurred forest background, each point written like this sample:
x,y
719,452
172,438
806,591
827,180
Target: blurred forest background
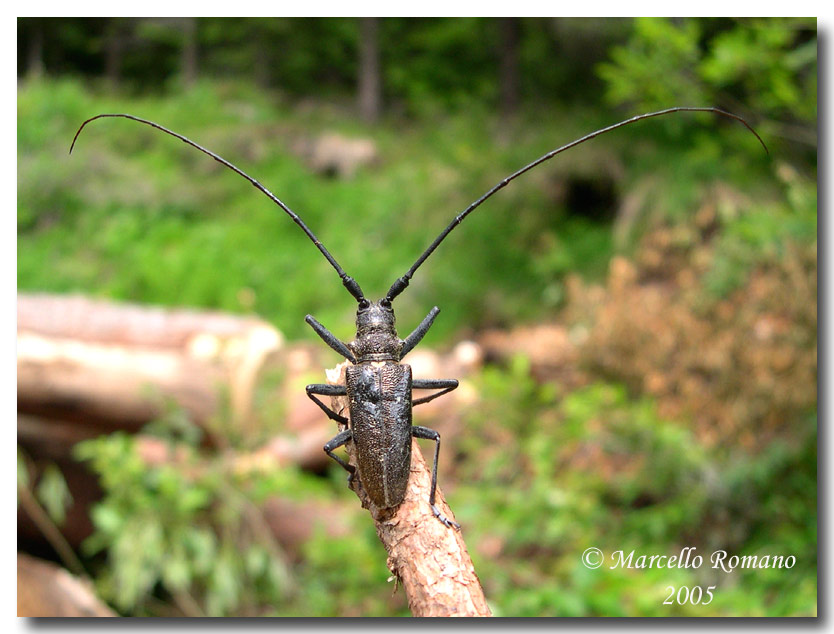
x,y
646,306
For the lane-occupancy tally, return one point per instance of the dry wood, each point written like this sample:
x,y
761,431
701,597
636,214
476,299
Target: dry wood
x,y
53,439
45,589
119,363
429,559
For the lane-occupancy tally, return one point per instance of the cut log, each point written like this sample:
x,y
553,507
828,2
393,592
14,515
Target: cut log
x,y
118,365
45,589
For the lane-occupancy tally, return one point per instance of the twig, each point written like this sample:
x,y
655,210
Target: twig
x,y
428,558
50,531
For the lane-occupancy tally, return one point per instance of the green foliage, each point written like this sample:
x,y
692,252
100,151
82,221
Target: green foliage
x,y
50,489
347,577
187,527
23,477
162,225
764,68
762,234
771,61
600,468
647,69
53,493
190,531
770,64
420,72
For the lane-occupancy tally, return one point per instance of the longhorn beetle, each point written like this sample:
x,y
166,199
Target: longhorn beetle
x,y
378,386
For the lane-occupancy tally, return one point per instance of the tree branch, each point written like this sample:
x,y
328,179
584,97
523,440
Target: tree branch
x,y
428,558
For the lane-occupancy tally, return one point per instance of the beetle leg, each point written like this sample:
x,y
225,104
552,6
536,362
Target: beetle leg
x,y
337,441
330,339
327,390
444,385
419,332
429,434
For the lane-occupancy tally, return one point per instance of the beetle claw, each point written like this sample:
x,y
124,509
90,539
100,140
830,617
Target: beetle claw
x,y
449,523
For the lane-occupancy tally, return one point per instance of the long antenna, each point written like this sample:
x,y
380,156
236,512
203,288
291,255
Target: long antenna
x,y
350,284
401,283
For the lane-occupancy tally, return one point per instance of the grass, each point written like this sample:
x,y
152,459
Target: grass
x,y
135,215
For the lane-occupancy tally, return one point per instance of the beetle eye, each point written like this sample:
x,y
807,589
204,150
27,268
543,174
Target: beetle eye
x,y
364,304
385,302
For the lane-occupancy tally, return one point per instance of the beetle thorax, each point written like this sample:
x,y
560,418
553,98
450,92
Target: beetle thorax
x,y
376,336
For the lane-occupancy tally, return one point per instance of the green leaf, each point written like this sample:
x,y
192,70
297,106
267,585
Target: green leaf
x,y
22,470
54,494
107,519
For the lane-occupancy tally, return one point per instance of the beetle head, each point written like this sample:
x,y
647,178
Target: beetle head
x,y
374,316
376,337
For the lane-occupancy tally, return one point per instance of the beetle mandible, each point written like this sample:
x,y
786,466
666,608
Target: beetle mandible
x,y
378,386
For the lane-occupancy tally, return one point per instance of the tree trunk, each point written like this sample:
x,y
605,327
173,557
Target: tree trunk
x,y
113,51
370,83
260,54
509,69
189,52
34,56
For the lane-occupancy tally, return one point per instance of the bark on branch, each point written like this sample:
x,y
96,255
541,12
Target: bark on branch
x,y
429,559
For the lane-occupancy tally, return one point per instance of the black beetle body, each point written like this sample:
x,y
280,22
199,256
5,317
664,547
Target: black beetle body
x,y
379,390
380,417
